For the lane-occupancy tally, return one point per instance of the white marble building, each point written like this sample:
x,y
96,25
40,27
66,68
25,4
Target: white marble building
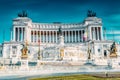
x,y
45,36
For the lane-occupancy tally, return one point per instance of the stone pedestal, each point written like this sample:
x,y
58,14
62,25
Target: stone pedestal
x,y
89,62
113,55
24,64
39,63
61,47
24,58
61,40
61,53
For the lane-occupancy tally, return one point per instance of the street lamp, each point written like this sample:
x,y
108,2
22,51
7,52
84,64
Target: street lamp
x,y
89,50
39,55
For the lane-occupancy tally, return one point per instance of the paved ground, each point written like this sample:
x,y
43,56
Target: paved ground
x,y
96,74
109,75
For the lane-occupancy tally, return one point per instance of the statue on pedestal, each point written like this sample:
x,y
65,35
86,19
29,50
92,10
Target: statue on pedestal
x,y
24,51
60,31
22,14
113,50
90,13
24,58
89,52
61,43
61,37
61,53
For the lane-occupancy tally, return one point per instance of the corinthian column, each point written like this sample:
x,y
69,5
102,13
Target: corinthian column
x,y
14,34
72,35
18,34
97,33
56,36
69,35
78,36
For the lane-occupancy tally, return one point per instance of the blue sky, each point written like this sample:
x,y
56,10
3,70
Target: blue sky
x,y
65,11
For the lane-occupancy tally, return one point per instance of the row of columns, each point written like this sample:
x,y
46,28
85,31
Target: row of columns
x,y
44,36
19,33
96,33
74,36
52,36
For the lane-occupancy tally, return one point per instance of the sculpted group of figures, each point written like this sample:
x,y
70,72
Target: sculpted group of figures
x,y
22,14
91,13
24,51
113,50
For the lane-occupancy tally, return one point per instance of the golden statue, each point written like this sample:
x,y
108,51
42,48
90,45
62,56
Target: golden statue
x,y
113,50
24,51
89,53
62,53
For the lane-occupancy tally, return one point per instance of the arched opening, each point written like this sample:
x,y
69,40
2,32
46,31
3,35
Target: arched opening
x,y
105,53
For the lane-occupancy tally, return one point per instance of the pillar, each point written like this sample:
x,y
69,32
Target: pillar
x,y
101,33
66,36
53,36
94,34
90,34
75,35
40,36
23,33
69,36
14,32
72,35
82,35
43,37
56,36
46,37
33,35
98,33
50,36
18,34
78,36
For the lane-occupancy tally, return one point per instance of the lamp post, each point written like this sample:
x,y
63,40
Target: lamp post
x,y
89,51
39,55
